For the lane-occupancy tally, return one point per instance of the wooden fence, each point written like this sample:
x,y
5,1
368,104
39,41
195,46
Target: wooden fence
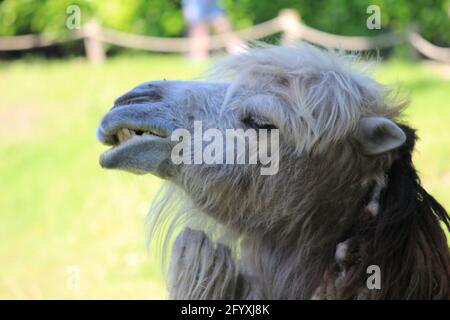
x,y
288,22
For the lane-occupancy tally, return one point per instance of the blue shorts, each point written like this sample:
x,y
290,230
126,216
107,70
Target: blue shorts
x,y
196,11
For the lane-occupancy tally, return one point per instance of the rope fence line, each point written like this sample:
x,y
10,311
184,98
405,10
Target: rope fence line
x,y
288,22
182,44
428,49
31,41
352,43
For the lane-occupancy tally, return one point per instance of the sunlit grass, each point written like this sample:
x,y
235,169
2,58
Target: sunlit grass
x,y
60,212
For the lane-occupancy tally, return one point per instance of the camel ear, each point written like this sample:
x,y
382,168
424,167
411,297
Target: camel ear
x,y
377,135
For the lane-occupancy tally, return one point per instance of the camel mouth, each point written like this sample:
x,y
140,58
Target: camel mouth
x,y
119,136
126,136
129,144
124,139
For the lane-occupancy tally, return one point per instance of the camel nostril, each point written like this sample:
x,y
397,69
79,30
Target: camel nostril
x,y
154,95
146,97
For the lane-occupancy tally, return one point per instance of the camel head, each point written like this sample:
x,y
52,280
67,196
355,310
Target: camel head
x,y
342,176
330,120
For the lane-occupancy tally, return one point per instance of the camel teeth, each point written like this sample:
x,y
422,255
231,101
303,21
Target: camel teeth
x,y
127,133
120,136
154,133
124,134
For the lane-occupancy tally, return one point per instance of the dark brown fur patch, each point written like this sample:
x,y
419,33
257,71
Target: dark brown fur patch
x,y
405,240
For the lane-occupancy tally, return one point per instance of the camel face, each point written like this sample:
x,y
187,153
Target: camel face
x,y
319,104
140,124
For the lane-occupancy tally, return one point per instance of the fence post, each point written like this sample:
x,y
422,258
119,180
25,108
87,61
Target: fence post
x,y
92,44
291,24
413,54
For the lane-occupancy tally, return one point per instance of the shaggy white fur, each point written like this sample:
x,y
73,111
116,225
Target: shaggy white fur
x,y
327,92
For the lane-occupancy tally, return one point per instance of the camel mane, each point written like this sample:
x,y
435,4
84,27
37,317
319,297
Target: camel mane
x,y
404,239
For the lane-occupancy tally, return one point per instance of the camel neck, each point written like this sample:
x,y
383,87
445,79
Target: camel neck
x,y
304,259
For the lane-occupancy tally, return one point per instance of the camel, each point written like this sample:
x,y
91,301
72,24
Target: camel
x,y
345,203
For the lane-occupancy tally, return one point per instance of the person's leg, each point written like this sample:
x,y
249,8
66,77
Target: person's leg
x,y
222,25
198,35
195,15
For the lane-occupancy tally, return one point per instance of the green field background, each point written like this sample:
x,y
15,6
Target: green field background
x,y
60,212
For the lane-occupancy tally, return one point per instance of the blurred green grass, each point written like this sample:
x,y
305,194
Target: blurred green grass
x,y
59,211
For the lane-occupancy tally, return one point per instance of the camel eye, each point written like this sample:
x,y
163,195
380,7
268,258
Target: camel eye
x,y
255,122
